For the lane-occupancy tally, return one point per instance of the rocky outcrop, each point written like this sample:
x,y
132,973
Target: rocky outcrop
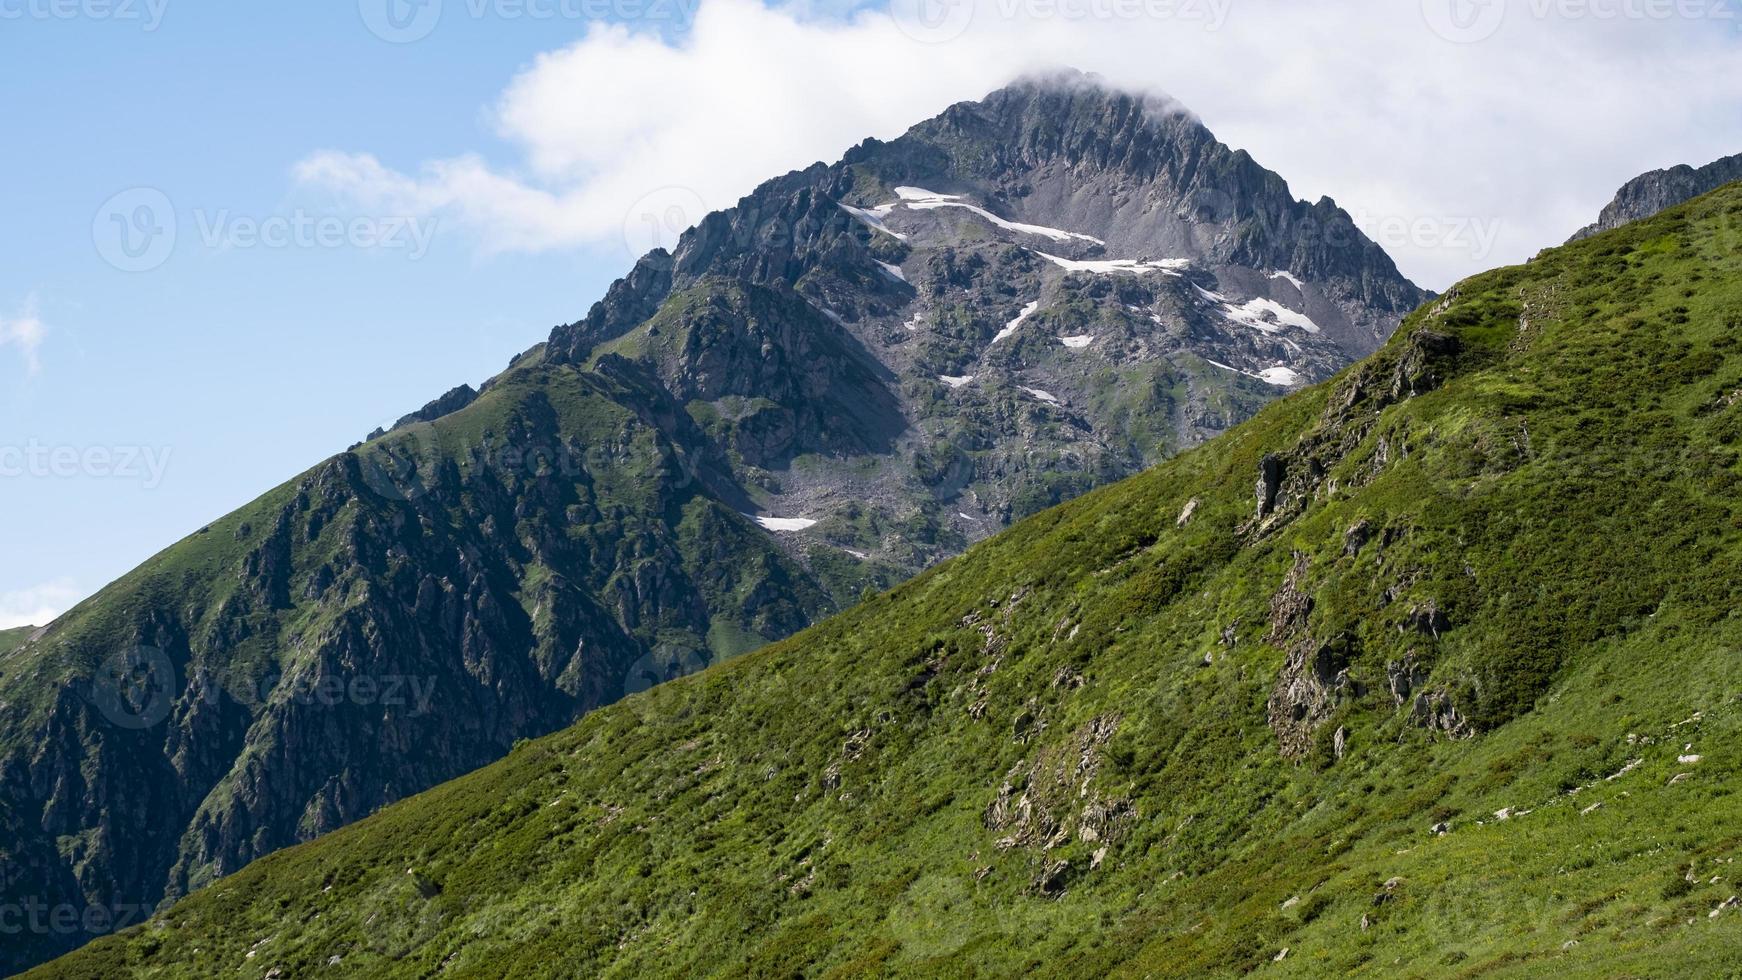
x,y
1288,481
1052,800
1660,190
1315,676
447,404
1429,707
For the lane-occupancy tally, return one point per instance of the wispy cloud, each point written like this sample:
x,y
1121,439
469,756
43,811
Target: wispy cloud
x,y
38,605
1369,101
24,330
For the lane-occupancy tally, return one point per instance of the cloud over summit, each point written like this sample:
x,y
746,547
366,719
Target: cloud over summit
x,y
1369,102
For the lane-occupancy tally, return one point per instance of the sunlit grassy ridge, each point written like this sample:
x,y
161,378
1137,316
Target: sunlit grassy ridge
x,y
1064,752
13,637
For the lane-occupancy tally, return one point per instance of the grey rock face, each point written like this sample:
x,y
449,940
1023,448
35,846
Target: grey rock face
x,y
447,404
1661,190
1037,293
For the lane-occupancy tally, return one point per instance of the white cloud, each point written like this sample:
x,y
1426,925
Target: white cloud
x,y
1525,133
24,331
39,605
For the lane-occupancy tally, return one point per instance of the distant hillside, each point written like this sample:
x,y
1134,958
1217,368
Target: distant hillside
x,y
1430,670
1659,190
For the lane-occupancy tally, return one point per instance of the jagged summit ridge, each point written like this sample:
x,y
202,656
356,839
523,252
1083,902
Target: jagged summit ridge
x,y
1139,173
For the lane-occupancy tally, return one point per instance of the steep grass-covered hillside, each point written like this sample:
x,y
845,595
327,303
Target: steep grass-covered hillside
x,y
1431,670
12,638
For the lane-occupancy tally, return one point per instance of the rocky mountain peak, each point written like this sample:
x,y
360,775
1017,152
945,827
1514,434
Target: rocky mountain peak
x,y
1129,176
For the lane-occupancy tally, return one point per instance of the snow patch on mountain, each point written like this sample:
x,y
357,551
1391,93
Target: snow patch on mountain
x,y
1078,343
1011,327
874,219
1281,377
784,523
921,199
1253,314
1263,315
1117,267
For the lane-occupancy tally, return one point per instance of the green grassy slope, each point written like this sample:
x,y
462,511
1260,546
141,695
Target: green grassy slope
x,y
11,639
521,561
1458,695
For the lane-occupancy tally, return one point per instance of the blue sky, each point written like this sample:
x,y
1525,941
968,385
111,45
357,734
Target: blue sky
x,y
488,166
244,365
